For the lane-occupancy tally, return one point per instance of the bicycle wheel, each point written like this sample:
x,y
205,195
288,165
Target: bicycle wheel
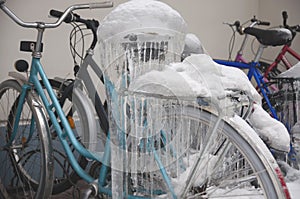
x,y
26,162
239,168
77,112
3,192
196,164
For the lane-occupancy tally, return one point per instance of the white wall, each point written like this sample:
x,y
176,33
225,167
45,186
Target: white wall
x,y
204,18
273,14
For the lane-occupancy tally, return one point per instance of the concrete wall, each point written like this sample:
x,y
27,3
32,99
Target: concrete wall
x,y
272,9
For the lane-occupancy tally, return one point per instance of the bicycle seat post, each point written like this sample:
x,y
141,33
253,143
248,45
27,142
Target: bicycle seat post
x,y
245,39
259,53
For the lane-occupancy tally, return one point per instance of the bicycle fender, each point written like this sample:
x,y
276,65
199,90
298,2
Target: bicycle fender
x,y
20,78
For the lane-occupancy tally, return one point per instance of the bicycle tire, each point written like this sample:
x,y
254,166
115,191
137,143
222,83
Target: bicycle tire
x,y
73,105
3,192
251,149
26,164
244,165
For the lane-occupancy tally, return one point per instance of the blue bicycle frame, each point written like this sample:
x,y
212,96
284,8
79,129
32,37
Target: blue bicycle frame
x,y
51,107
259,78
51,104
253,72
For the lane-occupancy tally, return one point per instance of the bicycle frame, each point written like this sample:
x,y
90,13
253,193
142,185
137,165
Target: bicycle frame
x,y
54,106
86,79
252,72
34,83
282,57
51,105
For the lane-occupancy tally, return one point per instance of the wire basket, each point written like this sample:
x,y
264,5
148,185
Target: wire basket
x,y
153,139
129,55
288,99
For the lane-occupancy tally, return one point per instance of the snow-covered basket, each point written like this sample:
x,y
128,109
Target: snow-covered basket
x,y
135,38
147,126
287,100
157,122
288,96
129,55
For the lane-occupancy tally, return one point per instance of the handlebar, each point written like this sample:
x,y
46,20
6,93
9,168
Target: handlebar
x,y
294,29
72,17
254,22
284,16
64,16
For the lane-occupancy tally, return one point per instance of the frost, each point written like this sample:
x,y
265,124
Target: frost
x,y
192,45
138,41
198,76
141,14
293,72
272,131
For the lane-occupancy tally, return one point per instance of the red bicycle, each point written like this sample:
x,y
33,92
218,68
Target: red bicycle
x,y
271,70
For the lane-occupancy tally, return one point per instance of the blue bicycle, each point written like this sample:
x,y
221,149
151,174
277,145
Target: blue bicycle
x,y
271,37
265,38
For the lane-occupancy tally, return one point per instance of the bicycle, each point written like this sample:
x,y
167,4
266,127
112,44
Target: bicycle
x,y
271,70
36,179
236,149
276,38
69,100
92,67
265,38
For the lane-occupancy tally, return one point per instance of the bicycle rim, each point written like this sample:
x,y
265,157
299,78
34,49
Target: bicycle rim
x,y
26,164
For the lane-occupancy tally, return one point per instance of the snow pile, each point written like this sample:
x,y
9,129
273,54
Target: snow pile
x,y
293,72
141,14
192,46
199,76
134,23
292,179
139,36
270,130
167,82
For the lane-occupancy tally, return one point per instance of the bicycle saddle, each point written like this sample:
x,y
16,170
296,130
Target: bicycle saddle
x,y
274,37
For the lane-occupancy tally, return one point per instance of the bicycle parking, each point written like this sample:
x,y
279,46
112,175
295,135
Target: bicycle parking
x,y
157,145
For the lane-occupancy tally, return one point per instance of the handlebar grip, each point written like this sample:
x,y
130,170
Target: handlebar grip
x,y
284,16
264,23
105,4
237,24
58,14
